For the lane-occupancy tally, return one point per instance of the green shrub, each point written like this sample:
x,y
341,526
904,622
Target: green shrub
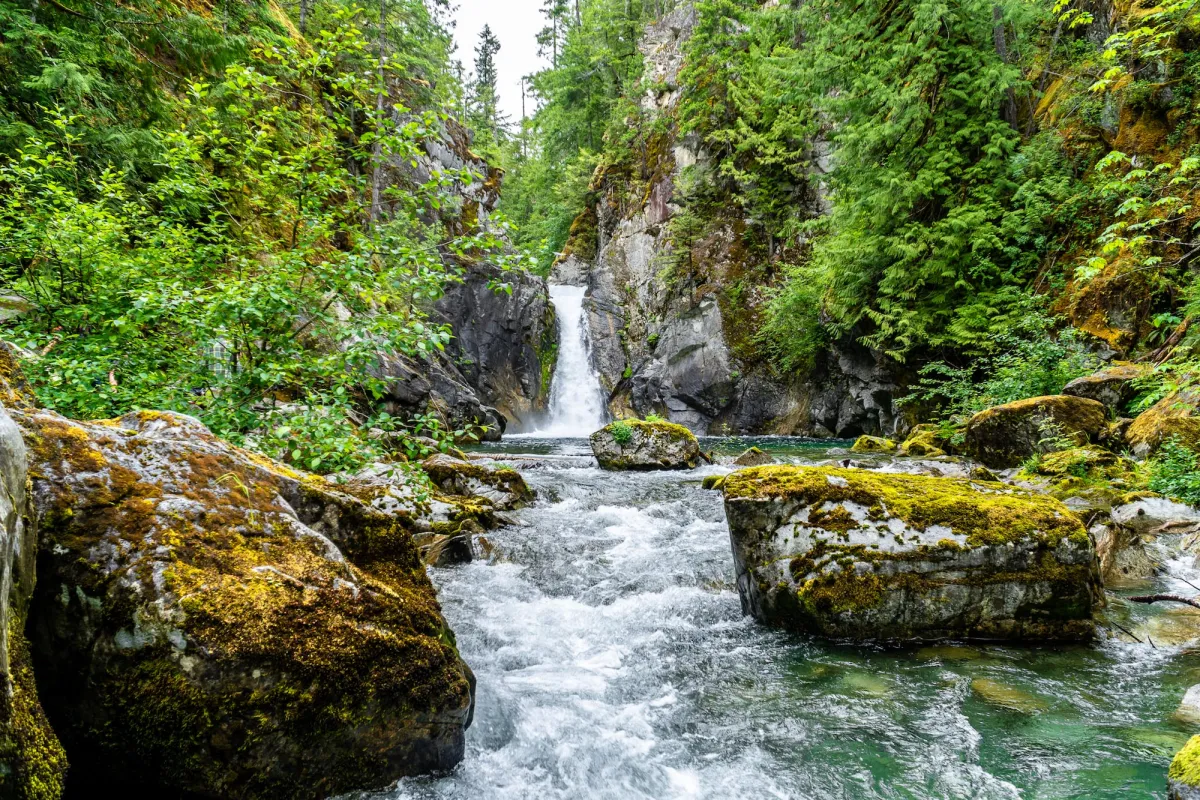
x,y
1175,472
622,432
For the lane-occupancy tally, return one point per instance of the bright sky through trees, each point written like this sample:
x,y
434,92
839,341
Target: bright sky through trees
x,y
516,23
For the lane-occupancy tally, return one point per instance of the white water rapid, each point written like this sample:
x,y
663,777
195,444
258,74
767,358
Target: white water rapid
x,y
576,401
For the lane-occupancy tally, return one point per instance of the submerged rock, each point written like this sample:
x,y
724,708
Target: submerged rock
x,y
1006,435
865,555
639,445
1183,778
209,622
1176,416
874,444
753,458
1114,386
32,762
1007,697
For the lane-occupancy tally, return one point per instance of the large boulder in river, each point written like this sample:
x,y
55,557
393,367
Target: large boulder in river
x,y
502,487
207,622
1006,435
1114,386
32,762
864,555
1176,416
640,445
1183,778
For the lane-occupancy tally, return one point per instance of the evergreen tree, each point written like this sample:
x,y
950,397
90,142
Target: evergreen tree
x,y
557,14
485,115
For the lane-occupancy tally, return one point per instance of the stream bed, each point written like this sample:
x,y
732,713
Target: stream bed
x,y
614,662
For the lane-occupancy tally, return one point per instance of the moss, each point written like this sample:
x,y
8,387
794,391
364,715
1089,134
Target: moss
x,y
873,444
984,513
1175,416
32,762
1185,767
714,482
923,442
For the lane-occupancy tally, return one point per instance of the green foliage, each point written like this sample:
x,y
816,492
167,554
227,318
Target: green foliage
x,y
1175,472
622,432
1030,361
249,260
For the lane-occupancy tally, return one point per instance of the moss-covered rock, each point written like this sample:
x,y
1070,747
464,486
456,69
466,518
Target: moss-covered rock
x,y
1183,778
209,622
634,444
1006,435
32,762
1176,416
873,444
924,441
1114,386
862,554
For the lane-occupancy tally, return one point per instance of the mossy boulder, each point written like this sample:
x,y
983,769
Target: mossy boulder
x,y
1113,386
503,487
873,444
1176,416
32,762
208,622
924,441
640,445
1006,435
860,554
1081,462
1183,777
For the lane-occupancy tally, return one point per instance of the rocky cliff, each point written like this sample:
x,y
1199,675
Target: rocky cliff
x,y
681,345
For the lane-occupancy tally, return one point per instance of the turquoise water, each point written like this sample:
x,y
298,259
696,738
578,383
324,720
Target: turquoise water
x,y
614,662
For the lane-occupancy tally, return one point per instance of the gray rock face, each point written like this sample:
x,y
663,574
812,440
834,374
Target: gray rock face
x,y
504,343
864,555
213,623
637,445
1114,387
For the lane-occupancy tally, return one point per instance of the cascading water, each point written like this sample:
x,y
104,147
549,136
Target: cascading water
x,y
576,402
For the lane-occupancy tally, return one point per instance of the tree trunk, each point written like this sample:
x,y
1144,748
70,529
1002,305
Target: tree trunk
x,y
303,16
1010,101
377,146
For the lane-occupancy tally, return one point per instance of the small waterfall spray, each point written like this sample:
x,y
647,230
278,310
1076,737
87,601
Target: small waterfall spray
x,y
576,400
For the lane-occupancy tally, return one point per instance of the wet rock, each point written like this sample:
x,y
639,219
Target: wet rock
x,y
210,622
1183,778
874,444
1006,435
639,445
1007,697
1156,515
32,762
753,458
1126,556
713,482
504,488
865,555
1176,416
1114,386
1189,708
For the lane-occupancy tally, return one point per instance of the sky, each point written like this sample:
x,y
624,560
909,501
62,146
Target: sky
x,y
516,24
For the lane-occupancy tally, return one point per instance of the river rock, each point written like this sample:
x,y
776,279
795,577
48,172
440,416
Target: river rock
x,y
1189,708
1176,416
865,555
209,622
639,445
1183,778
873,444
1004,436
753,458
32,762
1125,555
924,441
1156,515
502,487
1114,386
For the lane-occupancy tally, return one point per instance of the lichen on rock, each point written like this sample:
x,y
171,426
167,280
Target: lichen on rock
x,y
635,444
862,554
210,622
1183,777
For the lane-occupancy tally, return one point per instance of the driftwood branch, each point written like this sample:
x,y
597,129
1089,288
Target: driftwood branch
x,y
1164,598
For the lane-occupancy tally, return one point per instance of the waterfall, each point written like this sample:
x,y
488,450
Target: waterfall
x,y
576,400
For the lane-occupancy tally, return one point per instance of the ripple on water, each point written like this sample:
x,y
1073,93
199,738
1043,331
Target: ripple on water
x,y
614,662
